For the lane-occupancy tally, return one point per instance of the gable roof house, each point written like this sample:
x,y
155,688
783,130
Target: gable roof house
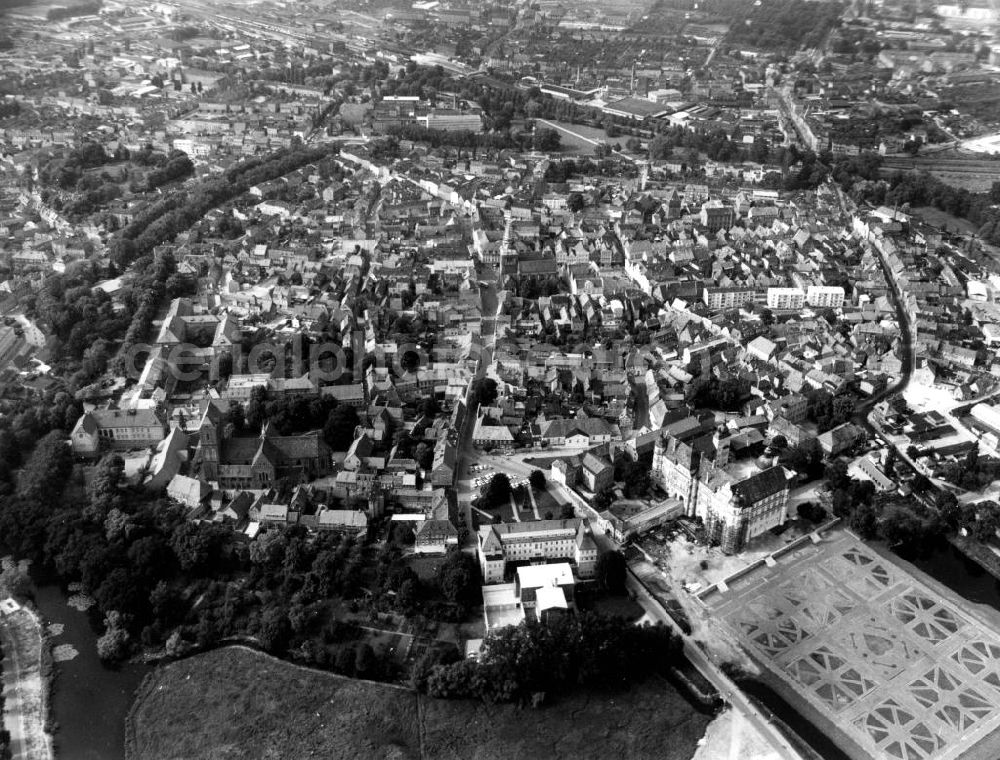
x,y
840,438
191,492
579,432
435,537
166,463
117,429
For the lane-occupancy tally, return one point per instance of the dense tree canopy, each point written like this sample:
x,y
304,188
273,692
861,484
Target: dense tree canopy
x,y
611,571
498,491
586,649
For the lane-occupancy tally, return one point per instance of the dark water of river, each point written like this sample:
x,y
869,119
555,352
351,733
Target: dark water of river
x,y
90,700
950,567
775,704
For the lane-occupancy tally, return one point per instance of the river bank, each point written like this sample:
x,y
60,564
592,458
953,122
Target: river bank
x,y
979,553
90,699
27,681
954,574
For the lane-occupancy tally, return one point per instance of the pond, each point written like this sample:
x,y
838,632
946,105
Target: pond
x,y
90,701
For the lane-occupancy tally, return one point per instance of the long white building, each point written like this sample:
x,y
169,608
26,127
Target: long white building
x,y
785,298
831,296
535,541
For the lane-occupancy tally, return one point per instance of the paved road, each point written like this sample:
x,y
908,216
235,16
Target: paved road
x,y
862,415
698,658
13,716
712,671
16,672
906,345
711,53
489,304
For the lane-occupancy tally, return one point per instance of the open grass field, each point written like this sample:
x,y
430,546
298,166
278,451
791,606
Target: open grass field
x,y
943,219
237,703
575,138
547,503
621,606
974,183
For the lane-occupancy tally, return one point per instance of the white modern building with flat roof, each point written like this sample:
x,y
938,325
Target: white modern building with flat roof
x,y
825,296
536,591
785,298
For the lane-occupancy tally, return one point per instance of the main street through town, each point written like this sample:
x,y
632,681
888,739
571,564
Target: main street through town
x,y
708,663
864,410
464,492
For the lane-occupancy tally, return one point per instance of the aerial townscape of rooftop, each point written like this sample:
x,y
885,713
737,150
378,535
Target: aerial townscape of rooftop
x,y
502,379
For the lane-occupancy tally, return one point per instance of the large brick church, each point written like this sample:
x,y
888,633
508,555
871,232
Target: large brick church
x,y
257,461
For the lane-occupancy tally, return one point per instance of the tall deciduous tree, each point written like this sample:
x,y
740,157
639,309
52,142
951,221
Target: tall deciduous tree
x,y
498,490
458,578
611,570
338,431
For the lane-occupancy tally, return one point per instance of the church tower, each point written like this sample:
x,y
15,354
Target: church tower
x,y
210,433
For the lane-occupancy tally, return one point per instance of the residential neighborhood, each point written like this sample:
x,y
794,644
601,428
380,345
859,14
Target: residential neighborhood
x,y
422,344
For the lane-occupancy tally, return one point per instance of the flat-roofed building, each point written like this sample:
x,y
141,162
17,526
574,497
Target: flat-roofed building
x,y
825,296
627,520
717,297
536,592
786,298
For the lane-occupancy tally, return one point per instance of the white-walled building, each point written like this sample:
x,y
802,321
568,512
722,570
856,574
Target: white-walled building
x,y
676,465
535,541
727,297
535,591
118,429
785,298
735,506
825,296
736,511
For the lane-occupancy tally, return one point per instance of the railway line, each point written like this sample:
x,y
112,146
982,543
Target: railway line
x,y
961,165
975,175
